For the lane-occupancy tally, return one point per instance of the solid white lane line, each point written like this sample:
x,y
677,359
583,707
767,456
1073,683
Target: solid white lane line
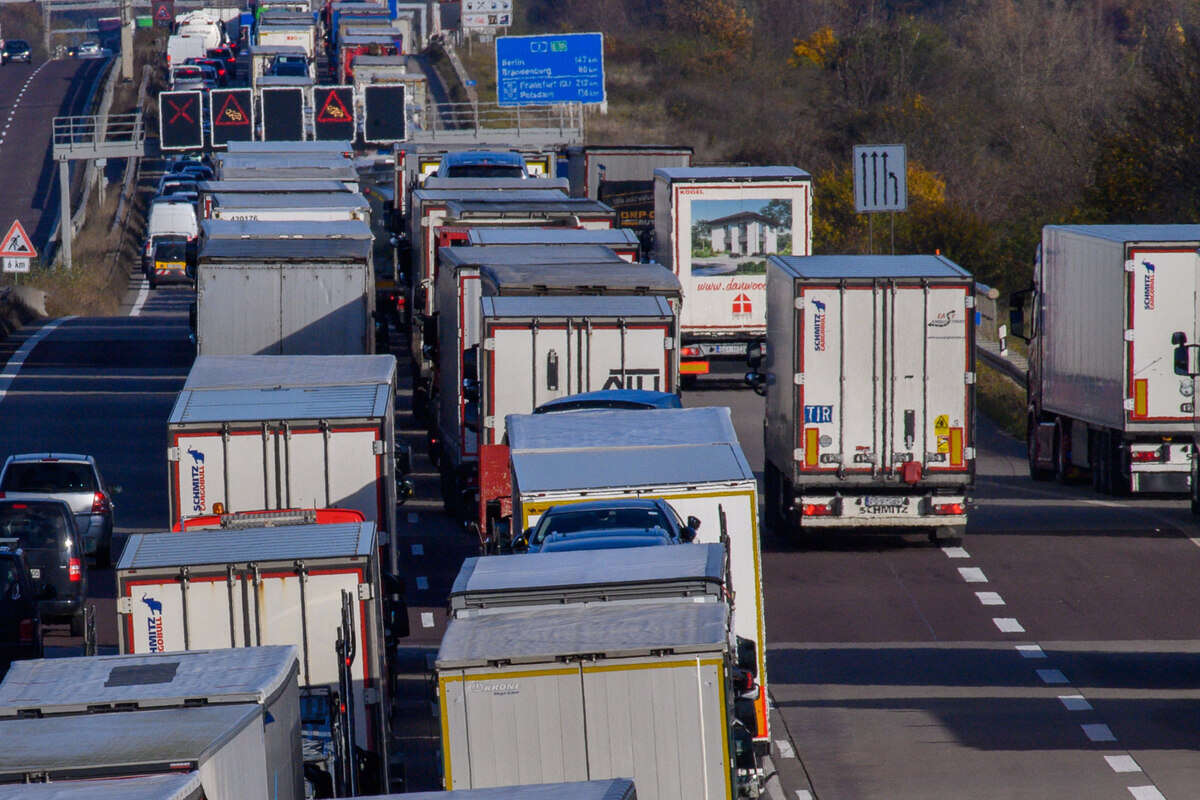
x,y
418,549
1052,676
956,552
1098,732
785,748
426,619
1031,651
1146,793
1008,625
990,598
13,367
972,575
142,296
1075,702
422,583
1122,764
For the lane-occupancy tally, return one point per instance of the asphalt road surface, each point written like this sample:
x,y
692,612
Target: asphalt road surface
x,y
1053,655
31,95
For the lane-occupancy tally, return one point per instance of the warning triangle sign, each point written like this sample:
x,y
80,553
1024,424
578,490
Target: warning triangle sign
x,y
334,109
17,243
163,14
232,113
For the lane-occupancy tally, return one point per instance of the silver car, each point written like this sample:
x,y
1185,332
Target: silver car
x,y
74,479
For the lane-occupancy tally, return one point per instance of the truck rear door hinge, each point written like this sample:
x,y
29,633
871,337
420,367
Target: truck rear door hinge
x,y
798,454
969,453
378,447
1130,265
1129,335
489,422
970,303
365,592
489,344
798,379
1128,404
970,378
668,343
173,454
124,605
800,303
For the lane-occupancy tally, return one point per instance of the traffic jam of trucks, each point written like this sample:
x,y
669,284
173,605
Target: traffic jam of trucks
x,y
553,302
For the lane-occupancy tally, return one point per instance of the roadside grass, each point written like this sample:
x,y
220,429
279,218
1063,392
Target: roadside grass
x,y
441,65
1000,399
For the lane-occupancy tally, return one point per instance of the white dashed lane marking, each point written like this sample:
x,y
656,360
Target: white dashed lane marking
x,y
1098,732
990,598
426,619
1146,793
785,748
1008,625
972,575
1074,702
422,583
1031,651
1122,764
1052,676
956,552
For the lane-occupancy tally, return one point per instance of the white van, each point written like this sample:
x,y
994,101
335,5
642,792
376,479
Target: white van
x,y
168,218
181,47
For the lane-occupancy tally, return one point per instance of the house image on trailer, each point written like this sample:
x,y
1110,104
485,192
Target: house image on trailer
x,y
744,233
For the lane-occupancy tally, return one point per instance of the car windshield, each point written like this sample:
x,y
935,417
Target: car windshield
x,y
48,477
171,251
597,519
37,527
291,68
485,171
17,44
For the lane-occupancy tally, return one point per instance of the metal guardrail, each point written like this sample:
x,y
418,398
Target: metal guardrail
x,y
491,122
99,136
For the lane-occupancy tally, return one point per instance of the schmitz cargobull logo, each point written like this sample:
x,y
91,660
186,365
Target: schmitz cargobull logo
x,y
1148,287
818,326
198,482
154,624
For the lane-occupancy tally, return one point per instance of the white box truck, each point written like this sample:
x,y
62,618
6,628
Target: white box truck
x,y
176,786
469,273
294,585
689,457
590,691
714,228
223,745
870,383
1103,394
281,432
264,676
285,297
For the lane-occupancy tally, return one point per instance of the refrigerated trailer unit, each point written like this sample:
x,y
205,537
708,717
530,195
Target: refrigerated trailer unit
x,y
280,432
285,297
110,684
689,457
870,386
590,691
468,273
1103,393
263,586
223,745
715,228
694,573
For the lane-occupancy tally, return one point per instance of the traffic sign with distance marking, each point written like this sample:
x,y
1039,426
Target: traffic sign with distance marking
x,y
16,243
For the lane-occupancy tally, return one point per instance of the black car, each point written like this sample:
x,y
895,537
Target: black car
x,y
226,55
15,50
46,533
20,622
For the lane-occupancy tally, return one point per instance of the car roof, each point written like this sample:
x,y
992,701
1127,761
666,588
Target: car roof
x,y
51,456
596,505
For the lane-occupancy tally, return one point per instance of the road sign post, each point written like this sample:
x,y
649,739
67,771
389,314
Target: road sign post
x,y
880,184
541,70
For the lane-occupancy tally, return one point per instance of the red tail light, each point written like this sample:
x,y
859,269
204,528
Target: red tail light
x,y
75,570
948,508
690,351
817,510
25,631
100,504
1145,456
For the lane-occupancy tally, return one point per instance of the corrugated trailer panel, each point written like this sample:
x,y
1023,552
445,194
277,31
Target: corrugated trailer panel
x,y
327,311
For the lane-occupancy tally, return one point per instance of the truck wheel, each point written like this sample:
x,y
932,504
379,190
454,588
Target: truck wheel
x,y
1035,472
1062,450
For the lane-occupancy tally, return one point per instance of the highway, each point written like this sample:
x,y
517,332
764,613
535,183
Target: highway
x,y
1054,654
30,97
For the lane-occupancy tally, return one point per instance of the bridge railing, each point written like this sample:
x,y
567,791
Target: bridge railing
x,y
99,136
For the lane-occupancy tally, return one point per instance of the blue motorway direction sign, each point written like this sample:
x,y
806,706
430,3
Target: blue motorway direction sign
x,y
539,70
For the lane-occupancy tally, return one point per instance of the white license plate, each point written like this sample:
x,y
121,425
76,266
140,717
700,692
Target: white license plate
x,y
35,572
733,349
868,506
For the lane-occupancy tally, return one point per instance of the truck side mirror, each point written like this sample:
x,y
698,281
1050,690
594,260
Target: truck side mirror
x,y
471,390
403,459
693,523
754,355
758,382
1016,313
471,363
521,543
404,490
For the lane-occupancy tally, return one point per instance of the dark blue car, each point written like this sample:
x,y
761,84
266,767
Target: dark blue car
x,y
599,519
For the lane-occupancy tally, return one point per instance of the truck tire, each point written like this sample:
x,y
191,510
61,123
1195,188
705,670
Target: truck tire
x,y
1062,450
1035,472
946,535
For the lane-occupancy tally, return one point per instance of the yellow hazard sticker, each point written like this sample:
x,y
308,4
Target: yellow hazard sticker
x,y
941,429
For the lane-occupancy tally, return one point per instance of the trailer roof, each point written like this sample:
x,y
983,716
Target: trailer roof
x,y
609,629
732,174
282,158
276,49
592,276
292,172
284,81
1135,233
585,306
501,204
257,251
177,786
563,470
258,186
273,372
635,149
615,428
155,680
94,745
360,38
542,571
282,543
284,229
338,147
350,200
507,237
852,267
479,255
615,789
